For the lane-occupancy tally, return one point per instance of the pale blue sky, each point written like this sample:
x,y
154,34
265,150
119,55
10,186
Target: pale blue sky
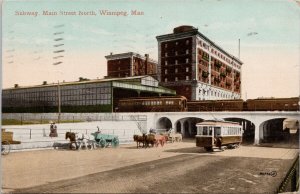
x,y
88,39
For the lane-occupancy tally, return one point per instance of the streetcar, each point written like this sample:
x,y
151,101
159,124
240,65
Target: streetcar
x,y
218,134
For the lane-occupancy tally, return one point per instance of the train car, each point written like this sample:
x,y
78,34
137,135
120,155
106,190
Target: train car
x,y
273,104
213,133
216,105
153,104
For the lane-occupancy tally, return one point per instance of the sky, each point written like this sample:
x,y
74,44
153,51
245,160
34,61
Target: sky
x,y
268,31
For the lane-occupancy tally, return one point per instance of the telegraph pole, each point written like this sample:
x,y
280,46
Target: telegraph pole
x,y
59,101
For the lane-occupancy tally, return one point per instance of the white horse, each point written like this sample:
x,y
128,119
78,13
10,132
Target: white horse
x,y
84,139
175,136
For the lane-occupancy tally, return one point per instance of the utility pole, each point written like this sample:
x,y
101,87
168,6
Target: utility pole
x,y
59,101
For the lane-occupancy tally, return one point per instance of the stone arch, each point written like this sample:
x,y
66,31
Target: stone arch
x,y
187,126
248,129
272,131
164,123
178,127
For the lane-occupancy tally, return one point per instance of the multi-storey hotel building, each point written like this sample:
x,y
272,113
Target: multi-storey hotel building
x,y
196,67
130,64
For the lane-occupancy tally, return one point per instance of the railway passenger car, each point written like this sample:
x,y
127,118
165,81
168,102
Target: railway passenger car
x,y
273,104
212,134
153,104
216,105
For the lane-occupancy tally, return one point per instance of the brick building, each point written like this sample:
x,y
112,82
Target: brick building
x,y
196,67
130,64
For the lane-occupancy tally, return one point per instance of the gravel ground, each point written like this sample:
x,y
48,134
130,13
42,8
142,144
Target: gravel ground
x,y
178,167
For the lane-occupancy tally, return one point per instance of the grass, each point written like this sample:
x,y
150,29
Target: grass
x,y
31,122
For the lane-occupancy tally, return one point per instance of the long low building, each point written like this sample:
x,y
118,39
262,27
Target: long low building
x,y
100,95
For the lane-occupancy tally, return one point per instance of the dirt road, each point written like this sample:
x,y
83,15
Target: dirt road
x,y
179,167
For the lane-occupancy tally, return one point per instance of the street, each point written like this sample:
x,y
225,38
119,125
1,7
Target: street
x,y
175,168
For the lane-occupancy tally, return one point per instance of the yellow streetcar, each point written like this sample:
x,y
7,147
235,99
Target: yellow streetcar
x,y
218,134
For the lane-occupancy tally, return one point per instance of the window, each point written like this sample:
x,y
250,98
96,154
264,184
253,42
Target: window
x,y
186,69
176,78
176,43
166,71
217,131
176,70
187,77
176,53
205,131
187,51
166,54
166,79
176,62
187,42
166,45
166,62
186,60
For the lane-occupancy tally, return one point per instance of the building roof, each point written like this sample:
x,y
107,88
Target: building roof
x,y
217,123
184,31
127,55
80,82
134,83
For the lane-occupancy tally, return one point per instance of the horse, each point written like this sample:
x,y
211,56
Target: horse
x,y
149,139
160,139
139,139
84,139
175,137
72,137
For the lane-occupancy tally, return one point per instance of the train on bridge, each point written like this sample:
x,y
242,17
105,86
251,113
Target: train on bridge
x,y
181,104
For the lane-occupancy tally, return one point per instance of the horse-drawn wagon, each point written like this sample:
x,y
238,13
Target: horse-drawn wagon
x,y
104,140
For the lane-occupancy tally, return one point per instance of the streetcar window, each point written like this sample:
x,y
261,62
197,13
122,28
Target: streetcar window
x,y
200,130
210,130
217,131
205,131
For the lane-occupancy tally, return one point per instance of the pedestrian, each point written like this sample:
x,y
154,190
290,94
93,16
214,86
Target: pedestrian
x,y
53,130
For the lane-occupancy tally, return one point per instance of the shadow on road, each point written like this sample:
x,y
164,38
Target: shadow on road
x,y
193,150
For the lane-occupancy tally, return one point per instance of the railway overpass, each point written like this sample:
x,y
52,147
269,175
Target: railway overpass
x,y
258,126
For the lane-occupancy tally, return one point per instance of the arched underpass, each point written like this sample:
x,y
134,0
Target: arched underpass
x,y
248,129
273,132
187,126
164,123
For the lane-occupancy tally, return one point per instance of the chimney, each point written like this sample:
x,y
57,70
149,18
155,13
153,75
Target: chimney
x,y
16,85
44,82
111,53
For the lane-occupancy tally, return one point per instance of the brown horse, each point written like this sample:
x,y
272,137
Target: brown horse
x,y
149,139
72,137
139,139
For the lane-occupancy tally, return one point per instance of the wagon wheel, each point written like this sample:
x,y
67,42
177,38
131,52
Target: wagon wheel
x,y
5,147
115,142
102,143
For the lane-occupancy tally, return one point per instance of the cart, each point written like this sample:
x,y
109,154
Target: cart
x,y
105,140
6,141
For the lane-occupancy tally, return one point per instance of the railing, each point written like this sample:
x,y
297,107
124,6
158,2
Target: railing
x,y
30,133
291,180
27,119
